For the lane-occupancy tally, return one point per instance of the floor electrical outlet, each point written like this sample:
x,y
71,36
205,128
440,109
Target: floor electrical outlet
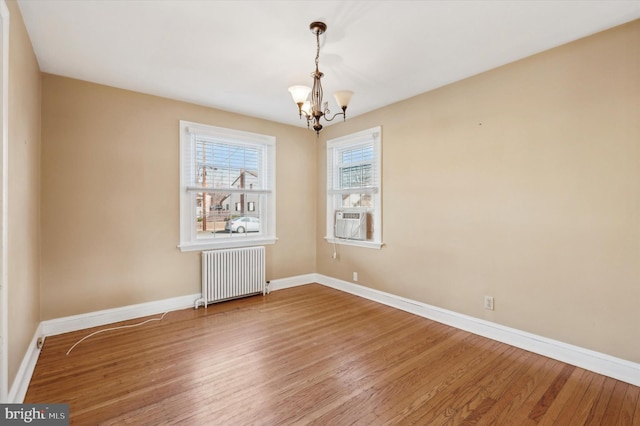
x,y
355,276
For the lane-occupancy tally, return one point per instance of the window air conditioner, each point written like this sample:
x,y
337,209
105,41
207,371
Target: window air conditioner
x,y
351,224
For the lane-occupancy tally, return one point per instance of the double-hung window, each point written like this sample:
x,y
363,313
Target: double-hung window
x,y
227,188
354,189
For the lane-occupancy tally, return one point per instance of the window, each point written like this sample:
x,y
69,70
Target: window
x,y
354,187
222,168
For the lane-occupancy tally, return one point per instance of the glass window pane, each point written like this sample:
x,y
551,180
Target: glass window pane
x,y
356,200
356,176
214,219
210,213
220,165
357,154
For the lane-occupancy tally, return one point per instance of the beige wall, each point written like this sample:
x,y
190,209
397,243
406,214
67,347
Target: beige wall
x,y
522,183
23,201
110,197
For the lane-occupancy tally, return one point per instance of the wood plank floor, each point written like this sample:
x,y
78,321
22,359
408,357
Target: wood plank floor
x,y
314,355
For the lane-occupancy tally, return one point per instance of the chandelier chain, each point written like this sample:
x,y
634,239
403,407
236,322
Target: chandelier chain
x,y
317,49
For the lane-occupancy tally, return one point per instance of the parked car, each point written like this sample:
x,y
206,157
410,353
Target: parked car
x,y
243,224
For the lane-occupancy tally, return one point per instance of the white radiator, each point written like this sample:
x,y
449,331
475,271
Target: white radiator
x,y
232,273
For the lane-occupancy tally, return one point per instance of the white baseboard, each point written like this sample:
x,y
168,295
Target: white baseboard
x,y
18,389
292,281
597,362
109,316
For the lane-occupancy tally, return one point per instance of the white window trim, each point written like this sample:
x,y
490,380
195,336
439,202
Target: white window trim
x,y
368,135
355,243
188,233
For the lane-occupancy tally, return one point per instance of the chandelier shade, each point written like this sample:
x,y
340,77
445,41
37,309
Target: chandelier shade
x,y
343,97
299,93
314,109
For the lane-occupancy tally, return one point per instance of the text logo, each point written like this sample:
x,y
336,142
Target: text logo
x,y
34,414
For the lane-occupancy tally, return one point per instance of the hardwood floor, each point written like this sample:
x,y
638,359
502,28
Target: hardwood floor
x,y
314,355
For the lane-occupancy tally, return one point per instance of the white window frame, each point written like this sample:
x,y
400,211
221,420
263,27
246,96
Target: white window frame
x,y
371,136
189,240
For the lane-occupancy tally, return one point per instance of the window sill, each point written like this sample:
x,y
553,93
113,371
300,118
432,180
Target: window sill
x,y
226,244
357,243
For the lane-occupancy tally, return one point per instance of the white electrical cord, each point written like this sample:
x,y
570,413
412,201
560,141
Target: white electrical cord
x,y
114,328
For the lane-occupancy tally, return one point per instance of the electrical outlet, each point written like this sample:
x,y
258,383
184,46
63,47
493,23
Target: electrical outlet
x,y
355,276
488,302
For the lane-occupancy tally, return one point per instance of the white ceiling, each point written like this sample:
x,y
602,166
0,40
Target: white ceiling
x,y
241,56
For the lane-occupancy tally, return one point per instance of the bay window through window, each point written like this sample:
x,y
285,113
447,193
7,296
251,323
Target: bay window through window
x,y
227,188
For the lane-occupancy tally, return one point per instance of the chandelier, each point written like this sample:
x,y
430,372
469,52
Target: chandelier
x,y
314,109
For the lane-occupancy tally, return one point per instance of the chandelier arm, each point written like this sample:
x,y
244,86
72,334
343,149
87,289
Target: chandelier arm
x,y
305,115
343,113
